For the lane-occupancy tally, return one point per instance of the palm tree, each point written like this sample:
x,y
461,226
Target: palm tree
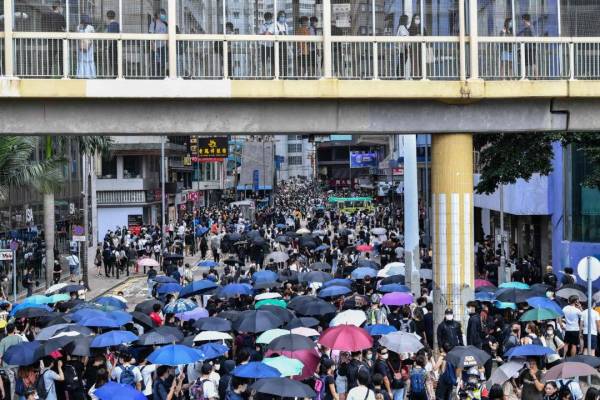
x,y
88,146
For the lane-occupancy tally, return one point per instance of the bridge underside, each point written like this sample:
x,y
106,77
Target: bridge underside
x,y
280,116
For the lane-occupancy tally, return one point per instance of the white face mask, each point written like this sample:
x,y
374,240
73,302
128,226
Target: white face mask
x,y
385,356
449,317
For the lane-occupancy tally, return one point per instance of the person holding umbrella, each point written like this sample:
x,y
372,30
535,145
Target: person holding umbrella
x,y
531,381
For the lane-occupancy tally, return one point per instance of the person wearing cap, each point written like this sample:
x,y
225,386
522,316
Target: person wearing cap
x,y
475,333
449,331
550,277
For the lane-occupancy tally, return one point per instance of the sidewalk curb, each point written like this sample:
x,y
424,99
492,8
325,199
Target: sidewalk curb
x,y
114,286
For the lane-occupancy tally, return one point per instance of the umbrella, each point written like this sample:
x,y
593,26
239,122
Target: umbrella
x,y
232,261
302,231
528,350
310,359
213,324
180,306
55,288
174,256
397,299
483,283
337,282
148,262
514,285
71,288
467,356
349,317
234,290
165,288
213,350
426,273
270,302
24,306
266,285
282,239
364,248
285,365
164,279
334,291
99,322
80,346
287,275
268,336
322,247
485,296
142,319
25,353
291,342
174,355
541,288
378,231
264,275
146,306
589,360
197,287
118,391
363,272
307,322
316,276
304,331
267,295
277,257
346,338
401,342
230,315
503,305
111,302
32,312
491,289
113,338
120,317
59,341
504,372
160,335
512,295
393,287
37,299
212,335
52,330
314,307
320,266
255,370
363,263
569,370
394,279
566,292
391,269
355,301
56,298
257,321
539,314
195,314
207,264
379,329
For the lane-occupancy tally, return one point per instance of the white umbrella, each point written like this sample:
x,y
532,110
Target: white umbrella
x,y
378,231
302,231
401,342
349,317
270,335
277,256
504,373
55,288
212,335
426,273
391,269
267,295
148,262
304,331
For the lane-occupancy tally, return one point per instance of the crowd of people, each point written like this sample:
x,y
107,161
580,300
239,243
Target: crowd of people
x,y
300,300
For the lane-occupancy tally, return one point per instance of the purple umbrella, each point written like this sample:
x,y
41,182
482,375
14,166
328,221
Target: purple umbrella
x,y
196,313
397,299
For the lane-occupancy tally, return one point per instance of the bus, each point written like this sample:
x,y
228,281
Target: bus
x,y
352,204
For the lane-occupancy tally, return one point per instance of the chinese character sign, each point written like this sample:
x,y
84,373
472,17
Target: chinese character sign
x,y
214,147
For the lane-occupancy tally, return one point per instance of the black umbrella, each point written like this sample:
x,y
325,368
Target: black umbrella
x,y
213,324
83,330
174,256
266,285
241,243
567,291
258,241
307,322
53,319
283,313
232,261
540,288
161,335
291,234
80,346
592,361
32,312
314,307
230,315
254,321
362,263
234,236
295,301
291,342
512,295
283,387
393,279
316,276
146,307
355,301
467,356
320,266
71,288
143,319
51,345
282,239
344,232
287,275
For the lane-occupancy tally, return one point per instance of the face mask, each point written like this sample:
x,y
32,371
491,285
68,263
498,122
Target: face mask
x,y
281,20
369,356
417,21
549,332
449,317
217,367
385,356
163,17
471,310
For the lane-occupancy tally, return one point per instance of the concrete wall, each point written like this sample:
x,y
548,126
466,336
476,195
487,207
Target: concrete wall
x,y
110,218
521,198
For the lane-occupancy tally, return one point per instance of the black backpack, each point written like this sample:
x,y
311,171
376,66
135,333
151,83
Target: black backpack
x,y
72,381
40,386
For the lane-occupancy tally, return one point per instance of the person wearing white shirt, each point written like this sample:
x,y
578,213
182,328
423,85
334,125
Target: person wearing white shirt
x,y
267,51
362,391
147,372
572,325
595,326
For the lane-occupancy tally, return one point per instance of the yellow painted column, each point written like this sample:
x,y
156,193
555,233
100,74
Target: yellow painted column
x,y
452,223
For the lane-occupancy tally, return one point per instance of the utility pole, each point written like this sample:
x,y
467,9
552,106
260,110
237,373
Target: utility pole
x,y
411,214
88,234
502,266
162,192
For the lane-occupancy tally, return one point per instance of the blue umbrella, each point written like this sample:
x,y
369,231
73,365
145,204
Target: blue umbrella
x,y
37,299
118,391
334,291
213,350
264,276
201,230
180,306
281,226
164,279
484,296
207,264
337,282
120,316
235,289
255,370
529,350
174,355
502,305
322,247
544,302
113,338
197,287
26,305
99,322
169,288
25,353
111,302
394,287
380,329
362,272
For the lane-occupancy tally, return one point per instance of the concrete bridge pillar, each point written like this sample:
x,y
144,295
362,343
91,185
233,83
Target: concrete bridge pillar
x,y
452,225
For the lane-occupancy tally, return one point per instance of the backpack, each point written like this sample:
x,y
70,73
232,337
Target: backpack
x,y
320,388
197,389
72,381
417,381
40,386
405,326
127,376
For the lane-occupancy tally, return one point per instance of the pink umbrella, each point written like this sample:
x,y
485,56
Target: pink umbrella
x,y
346,338
147,262
310,359
397,299
196,313
482,283
364,247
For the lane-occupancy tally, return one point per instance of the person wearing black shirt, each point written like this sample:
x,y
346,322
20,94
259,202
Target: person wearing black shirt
x,y
354,366
550,278
450,331
381,367
475,332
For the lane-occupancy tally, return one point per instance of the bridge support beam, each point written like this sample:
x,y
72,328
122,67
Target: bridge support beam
x,y
452,236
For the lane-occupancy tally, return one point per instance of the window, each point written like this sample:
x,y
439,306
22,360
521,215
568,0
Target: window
x,y
132,167
295,160
109,168
294,147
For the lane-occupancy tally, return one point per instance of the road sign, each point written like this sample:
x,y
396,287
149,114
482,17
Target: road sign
x,y
28,215
6,254
78,232
255,179
71,208
582,268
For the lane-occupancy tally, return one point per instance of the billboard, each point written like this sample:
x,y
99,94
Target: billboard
x,y
363,160
212,147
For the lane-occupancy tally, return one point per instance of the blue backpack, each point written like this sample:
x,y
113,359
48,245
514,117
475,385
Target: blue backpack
x,y
320,388
127,376
417,380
